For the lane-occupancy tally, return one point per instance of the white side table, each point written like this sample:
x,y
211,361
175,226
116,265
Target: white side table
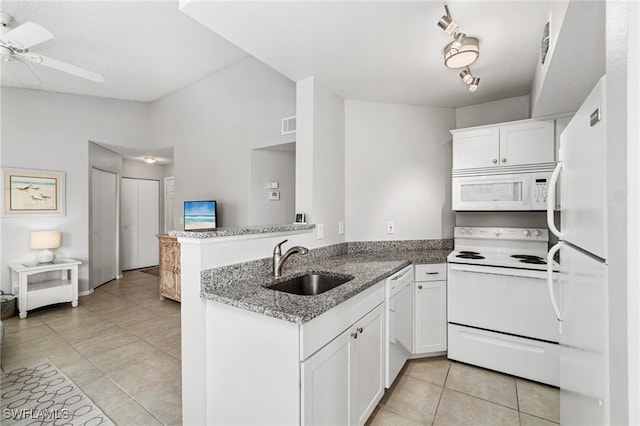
x,y
35,294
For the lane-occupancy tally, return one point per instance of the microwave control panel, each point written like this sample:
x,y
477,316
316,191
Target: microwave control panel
x,y
539,188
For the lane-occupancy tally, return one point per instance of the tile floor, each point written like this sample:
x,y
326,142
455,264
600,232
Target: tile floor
x,y
441,392
121,346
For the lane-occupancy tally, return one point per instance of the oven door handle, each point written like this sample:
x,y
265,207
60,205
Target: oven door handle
x,y
552,295
492,270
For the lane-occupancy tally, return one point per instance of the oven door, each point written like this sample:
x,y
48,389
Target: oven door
x,y
492,192
506,300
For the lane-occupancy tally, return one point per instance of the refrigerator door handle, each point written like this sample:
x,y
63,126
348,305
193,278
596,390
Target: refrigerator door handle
x,y
551,200
552,295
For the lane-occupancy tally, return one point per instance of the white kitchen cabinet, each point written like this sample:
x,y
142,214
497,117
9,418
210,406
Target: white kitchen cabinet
x,y
264,370
343,381
430,309
507,144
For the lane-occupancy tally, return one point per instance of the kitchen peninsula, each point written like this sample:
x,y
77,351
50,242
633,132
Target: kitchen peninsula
x,y
248,351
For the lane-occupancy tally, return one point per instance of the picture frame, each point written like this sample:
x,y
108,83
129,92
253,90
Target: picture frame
x,y
29,192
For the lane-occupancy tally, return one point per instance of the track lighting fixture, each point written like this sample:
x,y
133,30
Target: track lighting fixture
x,y
446,23
462,51
468,79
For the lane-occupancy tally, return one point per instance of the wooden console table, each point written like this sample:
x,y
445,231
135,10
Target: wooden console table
x,y
31,295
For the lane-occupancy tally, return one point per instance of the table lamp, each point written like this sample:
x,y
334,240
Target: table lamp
x,y
45,240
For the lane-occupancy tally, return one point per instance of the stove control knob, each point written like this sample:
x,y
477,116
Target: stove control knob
x,y
526,233
537,233
469,231
463,230
497,231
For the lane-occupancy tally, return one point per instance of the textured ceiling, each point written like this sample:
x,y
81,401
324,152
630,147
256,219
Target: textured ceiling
x,y
144,49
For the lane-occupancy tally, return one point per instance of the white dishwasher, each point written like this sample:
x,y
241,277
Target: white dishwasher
x,y
398,322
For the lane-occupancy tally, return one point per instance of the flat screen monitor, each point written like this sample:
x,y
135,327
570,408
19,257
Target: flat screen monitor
x,y
200,215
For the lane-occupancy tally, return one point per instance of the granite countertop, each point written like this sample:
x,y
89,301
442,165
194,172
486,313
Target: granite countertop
x,y
241,230
367,269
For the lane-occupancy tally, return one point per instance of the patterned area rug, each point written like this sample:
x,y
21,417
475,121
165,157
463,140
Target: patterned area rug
x,y
44,395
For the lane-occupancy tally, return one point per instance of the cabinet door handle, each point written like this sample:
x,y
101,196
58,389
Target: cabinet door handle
x,y
359,330
504,160
419,286
432,273
354,335
495,161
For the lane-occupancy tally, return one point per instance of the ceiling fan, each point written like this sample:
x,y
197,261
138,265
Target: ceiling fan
x,y
14,51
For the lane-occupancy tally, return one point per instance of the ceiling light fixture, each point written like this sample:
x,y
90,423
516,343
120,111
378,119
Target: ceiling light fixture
x,y
462,51
446,23
468,79
149,160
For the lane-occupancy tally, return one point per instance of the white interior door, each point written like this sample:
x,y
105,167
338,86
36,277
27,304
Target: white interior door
x,y
140,218
129,223
148,222
169,196
104,213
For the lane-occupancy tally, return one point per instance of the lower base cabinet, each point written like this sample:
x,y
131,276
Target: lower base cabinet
x,y
430,309
343,381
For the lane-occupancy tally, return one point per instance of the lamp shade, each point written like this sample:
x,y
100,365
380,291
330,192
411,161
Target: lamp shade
x,y
45,239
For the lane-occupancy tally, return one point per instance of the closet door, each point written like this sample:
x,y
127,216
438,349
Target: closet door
x,y
103,265
140,218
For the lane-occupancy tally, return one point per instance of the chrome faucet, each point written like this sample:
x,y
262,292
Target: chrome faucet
x,y
279,258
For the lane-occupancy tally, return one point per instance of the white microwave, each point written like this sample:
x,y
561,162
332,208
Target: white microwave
x,y
506,192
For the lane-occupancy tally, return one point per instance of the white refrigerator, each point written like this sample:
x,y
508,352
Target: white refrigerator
x,y
581,297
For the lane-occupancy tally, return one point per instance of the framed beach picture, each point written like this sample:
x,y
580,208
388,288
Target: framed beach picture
x,y
29,192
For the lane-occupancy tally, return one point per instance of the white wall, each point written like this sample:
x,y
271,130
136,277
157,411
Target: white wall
x,y
213,124
398,163
51,131
273,166
320,157
510,109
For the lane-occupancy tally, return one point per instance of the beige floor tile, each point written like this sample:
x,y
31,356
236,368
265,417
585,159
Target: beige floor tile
x,y
457,409
52,344
164,401
27,334
529,420
135,317
15,324
76,367
118,358
168,341
110,339
539,400
153,369
80,319
153,327
414,399
482,383
105,393
51,313
432,370
131,413
383,417
85,332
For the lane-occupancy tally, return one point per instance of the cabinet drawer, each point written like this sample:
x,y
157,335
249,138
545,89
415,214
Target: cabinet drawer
x,y
431,272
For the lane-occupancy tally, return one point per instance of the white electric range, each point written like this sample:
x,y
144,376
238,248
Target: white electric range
x,y
498,306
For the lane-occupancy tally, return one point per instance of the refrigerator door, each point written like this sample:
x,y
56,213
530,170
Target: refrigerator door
x,y
584,336
583,177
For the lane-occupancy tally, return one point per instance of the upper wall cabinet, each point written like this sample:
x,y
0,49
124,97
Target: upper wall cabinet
x,y
517,143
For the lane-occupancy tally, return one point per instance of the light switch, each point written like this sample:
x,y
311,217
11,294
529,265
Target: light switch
x,y
320,228
341,227
274,185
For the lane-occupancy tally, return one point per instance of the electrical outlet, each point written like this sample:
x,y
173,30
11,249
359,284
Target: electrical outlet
x,y
181,220
391,227
341,227
320,228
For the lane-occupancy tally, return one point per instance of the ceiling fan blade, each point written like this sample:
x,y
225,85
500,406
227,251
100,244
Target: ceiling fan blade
x,y
22,72
27,35
64,67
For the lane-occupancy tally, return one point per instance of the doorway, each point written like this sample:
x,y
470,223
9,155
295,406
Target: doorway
x,y
104,227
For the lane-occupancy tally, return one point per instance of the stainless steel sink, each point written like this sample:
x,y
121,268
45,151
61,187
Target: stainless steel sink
x,y
311,284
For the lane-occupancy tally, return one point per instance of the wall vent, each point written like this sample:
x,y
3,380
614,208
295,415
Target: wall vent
x,y
289,125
